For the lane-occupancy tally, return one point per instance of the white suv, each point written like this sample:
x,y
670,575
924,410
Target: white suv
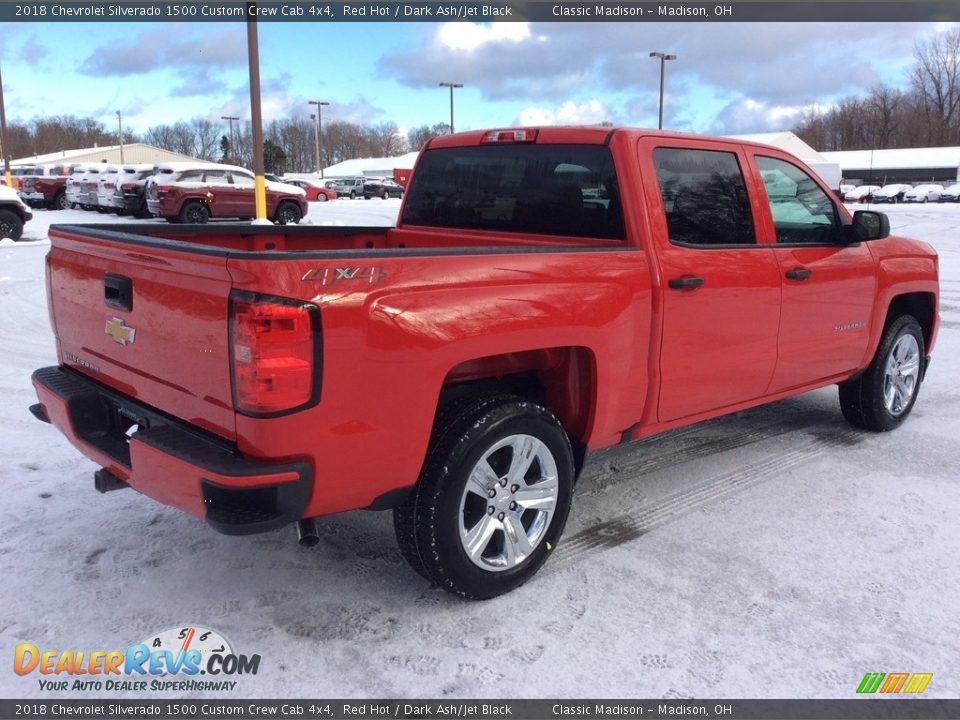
x,y
106,187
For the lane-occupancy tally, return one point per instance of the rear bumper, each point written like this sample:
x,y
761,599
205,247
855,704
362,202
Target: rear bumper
x,y
170,460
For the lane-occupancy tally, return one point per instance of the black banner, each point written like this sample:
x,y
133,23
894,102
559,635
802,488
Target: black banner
x,y
854,709
391,11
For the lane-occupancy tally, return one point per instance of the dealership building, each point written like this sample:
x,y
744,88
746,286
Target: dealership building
x,y
903,165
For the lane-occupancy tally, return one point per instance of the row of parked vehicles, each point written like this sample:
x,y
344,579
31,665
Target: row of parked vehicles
x,y
189,192
901,192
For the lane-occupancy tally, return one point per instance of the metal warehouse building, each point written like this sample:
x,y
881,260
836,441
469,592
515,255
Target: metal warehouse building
x,y
907,165
133,153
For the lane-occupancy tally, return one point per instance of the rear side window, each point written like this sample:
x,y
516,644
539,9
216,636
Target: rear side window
x,y
704,197
538,189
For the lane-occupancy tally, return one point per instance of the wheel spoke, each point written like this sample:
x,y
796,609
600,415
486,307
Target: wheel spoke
x,y
482,479
525,449
517,547
478,537
541,496
910,366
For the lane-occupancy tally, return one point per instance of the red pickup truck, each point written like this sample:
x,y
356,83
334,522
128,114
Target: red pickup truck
x,y
545,293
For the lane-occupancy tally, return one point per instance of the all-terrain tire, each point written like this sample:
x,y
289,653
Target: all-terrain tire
x,y
881,397
498,480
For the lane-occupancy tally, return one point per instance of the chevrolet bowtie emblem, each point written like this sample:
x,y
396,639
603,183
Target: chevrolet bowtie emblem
x,y
121,334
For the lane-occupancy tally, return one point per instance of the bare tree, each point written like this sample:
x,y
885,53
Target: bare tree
x,y
935,81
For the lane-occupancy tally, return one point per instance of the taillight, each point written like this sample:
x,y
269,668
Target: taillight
x,y
510,136
275,349
128,186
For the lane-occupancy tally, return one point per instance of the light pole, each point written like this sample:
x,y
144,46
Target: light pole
x,y
451,86
318,129
120,134
663,63
3,138
230,119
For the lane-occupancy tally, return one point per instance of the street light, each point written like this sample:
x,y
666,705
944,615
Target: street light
x,y
120,135
317,130
3,138
663,62
451,86
230,119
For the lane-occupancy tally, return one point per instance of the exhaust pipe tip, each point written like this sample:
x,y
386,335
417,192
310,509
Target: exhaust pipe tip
x,y
307,533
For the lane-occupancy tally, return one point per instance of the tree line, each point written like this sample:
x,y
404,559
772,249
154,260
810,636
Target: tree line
x,y
289,145
924,114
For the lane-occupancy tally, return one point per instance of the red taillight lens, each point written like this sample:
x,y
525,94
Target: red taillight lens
x,y
275,348
510,136
129,186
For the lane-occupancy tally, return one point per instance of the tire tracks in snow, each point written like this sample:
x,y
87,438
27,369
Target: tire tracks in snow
x,y
637,522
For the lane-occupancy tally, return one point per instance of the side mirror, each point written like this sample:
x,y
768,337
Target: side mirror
x,y
868,225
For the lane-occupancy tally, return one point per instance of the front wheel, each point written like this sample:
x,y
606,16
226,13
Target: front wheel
x,y
322,198
11,226
883,395
492,499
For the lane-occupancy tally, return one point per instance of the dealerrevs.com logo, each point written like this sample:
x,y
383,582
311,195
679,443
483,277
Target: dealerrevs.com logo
x,y
191,658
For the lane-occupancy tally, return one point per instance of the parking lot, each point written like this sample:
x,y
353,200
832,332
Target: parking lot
x,y
775,553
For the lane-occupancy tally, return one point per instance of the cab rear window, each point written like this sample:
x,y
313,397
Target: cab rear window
x,y
540,189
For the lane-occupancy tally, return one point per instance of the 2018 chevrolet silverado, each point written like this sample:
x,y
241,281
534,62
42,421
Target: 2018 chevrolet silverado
x,y
545,293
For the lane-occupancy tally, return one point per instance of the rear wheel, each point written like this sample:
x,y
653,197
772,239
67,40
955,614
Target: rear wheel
x,y
60,201
194,212
11,226
883,395
492,499
288,214
321,197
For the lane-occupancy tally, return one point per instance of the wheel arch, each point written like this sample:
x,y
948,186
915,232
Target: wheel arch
x,y
922,306
562,379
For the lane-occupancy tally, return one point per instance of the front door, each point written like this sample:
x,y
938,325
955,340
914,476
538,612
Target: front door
x,y
829,287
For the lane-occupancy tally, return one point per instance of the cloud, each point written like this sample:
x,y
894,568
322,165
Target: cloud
x,y
745,115
591,112
780,64
32,51
167,48
469,36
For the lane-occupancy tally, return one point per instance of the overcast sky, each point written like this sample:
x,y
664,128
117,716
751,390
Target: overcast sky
x,y
728,78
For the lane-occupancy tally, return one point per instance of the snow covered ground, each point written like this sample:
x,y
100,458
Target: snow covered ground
x,y
774,553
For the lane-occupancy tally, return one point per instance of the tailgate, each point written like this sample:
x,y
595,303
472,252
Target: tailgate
x,y
149,321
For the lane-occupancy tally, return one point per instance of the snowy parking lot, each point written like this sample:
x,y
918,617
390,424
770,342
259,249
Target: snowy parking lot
x,y
775,553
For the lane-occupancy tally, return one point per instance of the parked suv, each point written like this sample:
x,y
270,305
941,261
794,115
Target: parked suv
x,y
13,214
74,185
130,193
349,187
106,189
194,193
381,188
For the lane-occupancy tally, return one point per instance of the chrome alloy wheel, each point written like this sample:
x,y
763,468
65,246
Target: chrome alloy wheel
x,y
901,375
508,502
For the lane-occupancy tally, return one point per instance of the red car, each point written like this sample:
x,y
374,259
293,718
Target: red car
x,y
193,193
314,191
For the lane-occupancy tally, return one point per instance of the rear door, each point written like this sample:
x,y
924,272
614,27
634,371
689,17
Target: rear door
x,y
721,288
829,287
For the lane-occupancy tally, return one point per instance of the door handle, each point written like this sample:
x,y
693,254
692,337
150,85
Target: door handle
x,y
687,282
118,292
799,273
